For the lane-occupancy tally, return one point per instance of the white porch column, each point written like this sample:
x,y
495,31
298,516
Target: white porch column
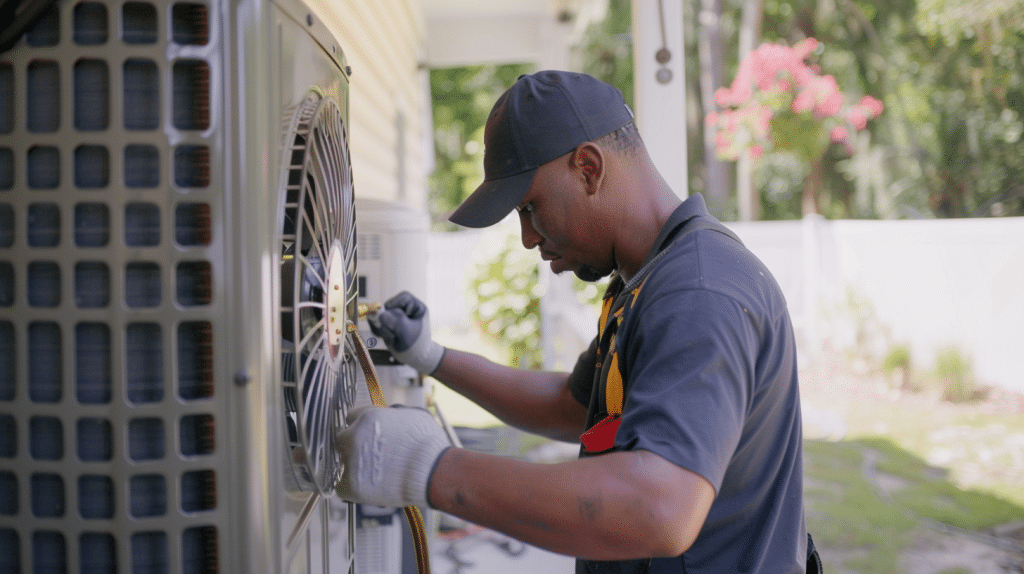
x,y
660,100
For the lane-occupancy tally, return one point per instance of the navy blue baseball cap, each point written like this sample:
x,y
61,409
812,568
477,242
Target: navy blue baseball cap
x,y
543,116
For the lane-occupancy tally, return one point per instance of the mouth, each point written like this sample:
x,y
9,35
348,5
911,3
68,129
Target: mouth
x,y
558,265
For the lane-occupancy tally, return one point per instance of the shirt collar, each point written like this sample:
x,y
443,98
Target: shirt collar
x,y
693,206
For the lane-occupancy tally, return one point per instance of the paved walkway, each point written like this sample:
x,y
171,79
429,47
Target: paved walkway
x,y
481,551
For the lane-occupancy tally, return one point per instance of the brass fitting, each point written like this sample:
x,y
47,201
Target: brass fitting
x,y
368,308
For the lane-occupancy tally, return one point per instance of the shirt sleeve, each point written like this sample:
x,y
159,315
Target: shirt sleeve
x,y
689,362
581,380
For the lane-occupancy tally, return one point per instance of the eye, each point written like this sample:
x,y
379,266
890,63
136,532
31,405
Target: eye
x,y
528,208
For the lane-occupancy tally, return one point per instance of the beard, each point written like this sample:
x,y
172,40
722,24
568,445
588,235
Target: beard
x,y
589,274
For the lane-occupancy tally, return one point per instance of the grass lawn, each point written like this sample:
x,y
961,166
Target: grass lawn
x,y
906,468
869,499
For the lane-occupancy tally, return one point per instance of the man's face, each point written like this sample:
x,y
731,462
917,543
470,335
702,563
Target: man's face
x,y
557,216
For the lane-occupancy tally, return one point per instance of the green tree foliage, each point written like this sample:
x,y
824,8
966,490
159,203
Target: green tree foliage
x,y
606,51
950,143
508,302
978,90
462,99
955,19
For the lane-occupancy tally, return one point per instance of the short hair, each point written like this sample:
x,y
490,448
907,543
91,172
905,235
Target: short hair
x,y
625,140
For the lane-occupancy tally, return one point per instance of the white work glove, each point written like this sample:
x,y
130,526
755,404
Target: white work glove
x,y
389,454
404,325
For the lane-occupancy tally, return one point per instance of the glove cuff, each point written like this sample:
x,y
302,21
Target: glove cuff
x,y
437,358
430,476
425,357
417,484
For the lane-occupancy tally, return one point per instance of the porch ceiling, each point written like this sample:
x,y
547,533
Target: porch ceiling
x,y
464,32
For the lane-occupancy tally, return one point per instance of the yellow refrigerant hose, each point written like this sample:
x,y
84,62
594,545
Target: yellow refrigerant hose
x,y
412,513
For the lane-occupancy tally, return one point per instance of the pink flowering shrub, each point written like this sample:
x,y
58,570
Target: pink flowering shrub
x,y
779,103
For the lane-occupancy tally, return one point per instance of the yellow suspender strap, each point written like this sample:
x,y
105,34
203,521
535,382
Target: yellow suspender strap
x,y
613,387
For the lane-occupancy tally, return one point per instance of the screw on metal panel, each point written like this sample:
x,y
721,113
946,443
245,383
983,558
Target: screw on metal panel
x,y
309,19
242,378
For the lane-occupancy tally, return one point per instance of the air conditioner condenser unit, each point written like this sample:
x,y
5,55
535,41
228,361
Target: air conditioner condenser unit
x,y
177,269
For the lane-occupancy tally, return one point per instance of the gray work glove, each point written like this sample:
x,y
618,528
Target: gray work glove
x,y
404,325
389,454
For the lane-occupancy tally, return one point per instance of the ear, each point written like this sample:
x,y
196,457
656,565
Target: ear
x,y
588,162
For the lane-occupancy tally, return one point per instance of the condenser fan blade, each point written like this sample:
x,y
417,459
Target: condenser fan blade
x,y
304,296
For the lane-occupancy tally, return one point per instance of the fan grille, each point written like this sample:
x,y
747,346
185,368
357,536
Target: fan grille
x,y
318,290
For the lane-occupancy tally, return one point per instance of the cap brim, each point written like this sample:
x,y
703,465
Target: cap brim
x,y
493,200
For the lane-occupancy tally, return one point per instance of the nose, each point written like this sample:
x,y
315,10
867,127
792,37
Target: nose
x,y
530,236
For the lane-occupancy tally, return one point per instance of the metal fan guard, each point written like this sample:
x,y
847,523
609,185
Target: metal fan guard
x,y
318,260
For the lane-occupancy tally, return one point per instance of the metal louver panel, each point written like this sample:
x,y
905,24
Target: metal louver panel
x,y
123,405
108,300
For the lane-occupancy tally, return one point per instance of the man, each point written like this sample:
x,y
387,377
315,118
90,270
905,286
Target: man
x,y
687,402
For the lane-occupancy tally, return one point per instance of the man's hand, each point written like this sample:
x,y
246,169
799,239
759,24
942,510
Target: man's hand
x,y
389,454
404,325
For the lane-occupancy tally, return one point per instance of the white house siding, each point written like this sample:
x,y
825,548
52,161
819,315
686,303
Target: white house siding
x,y
389,102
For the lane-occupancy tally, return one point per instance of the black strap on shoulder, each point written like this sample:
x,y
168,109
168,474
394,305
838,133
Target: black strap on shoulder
x,y
690,225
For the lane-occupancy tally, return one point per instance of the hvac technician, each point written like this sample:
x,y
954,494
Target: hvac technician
x,y
687,401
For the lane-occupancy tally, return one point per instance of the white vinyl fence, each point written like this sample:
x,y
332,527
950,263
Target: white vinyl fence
x,y
851,285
